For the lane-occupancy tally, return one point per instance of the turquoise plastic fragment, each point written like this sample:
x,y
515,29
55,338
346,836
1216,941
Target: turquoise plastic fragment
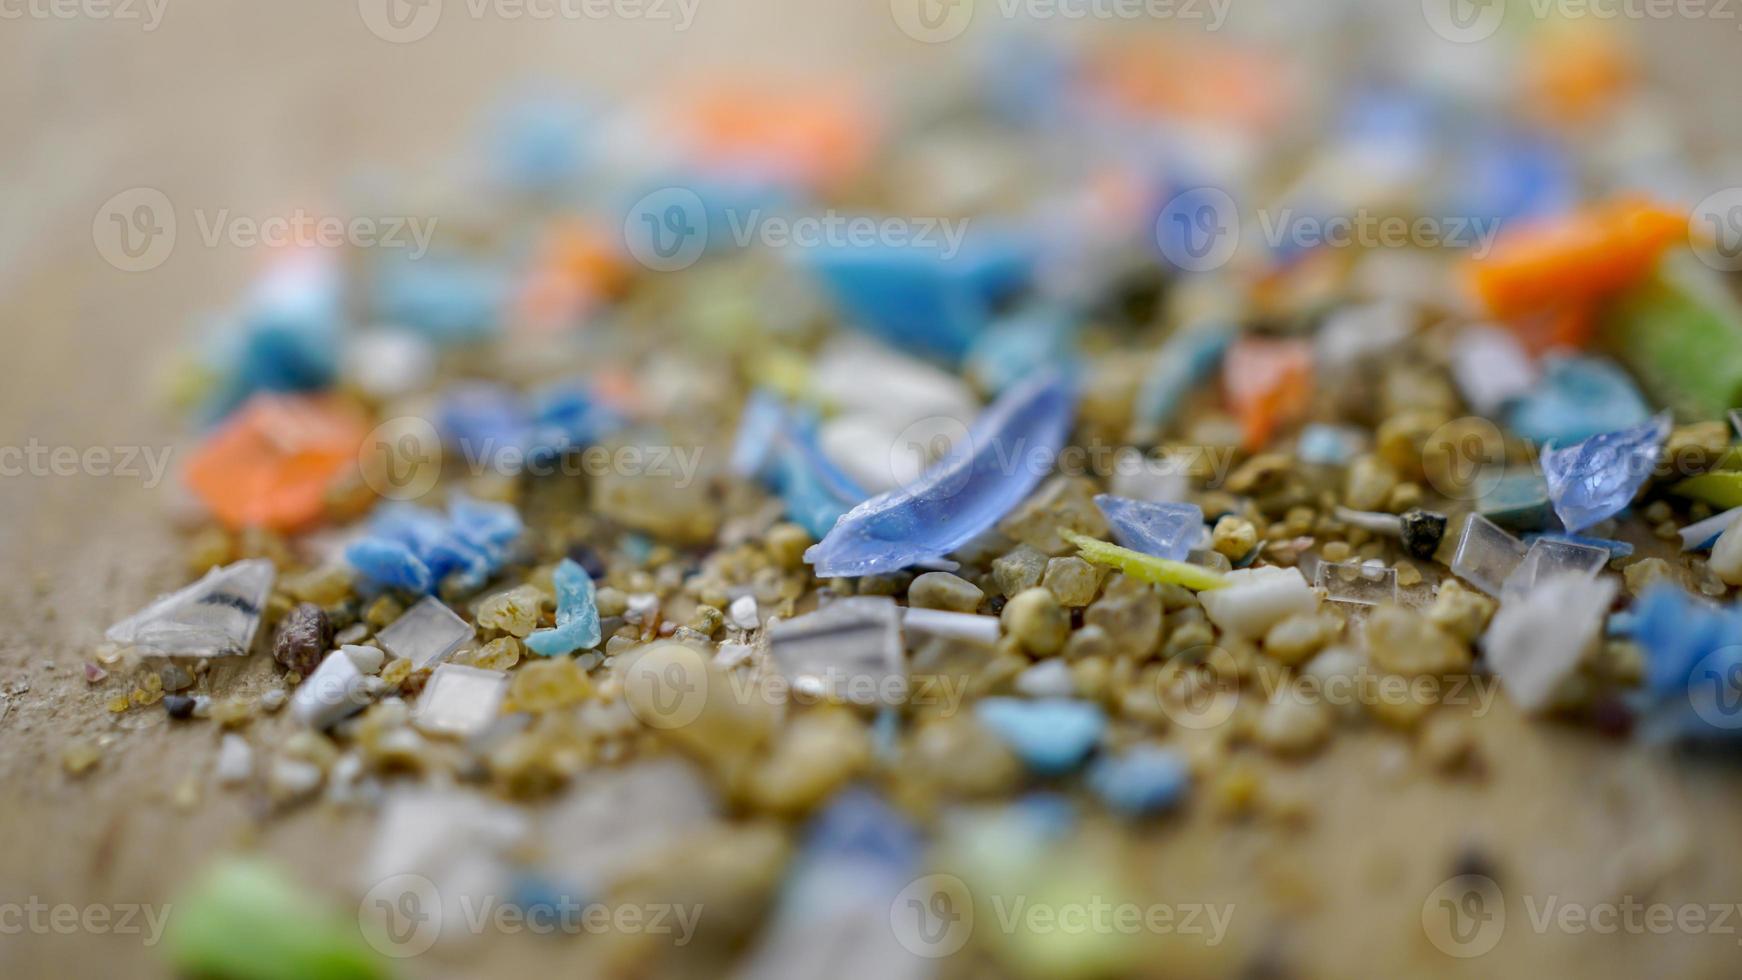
x,y
449,300
1011,447
1329,445
285,339
780,446
1186,359
1147,779
1165,530
1518,500
1578,397
1597,478
1016,347
1052,736
923,300
577,615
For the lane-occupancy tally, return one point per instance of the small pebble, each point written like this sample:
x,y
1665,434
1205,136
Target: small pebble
x,y
274,699
1036,622
744,613
942,590
1234,537
178,707
1073,580
1019,570
1047,679
303,637
1422,532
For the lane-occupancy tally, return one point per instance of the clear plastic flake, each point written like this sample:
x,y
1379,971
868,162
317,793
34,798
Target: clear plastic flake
x,y
426,634
1165,530
1357,583
850,649
214,617
460,700
1550,558
1486,555
332,693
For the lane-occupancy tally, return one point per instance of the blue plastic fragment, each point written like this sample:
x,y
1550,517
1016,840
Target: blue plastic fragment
x,y
1578,397
1187,358
779,446
537,144
286,338
577,615
448,300
1165,530
1052,736
414,548
1147,779
1693,665
1015,347
1598,477
931,301
390,564
493,425
1011,446
1328,445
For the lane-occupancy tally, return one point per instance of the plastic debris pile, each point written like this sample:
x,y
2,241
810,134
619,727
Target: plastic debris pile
x,y
794,569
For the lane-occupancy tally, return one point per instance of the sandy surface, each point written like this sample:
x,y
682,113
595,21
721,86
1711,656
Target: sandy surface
x,y
256,109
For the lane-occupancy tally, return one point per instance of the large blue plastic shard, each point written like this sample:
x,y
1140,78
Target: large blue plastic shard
x,y
1164,530
1693,666
1597,478
1010,448
816,492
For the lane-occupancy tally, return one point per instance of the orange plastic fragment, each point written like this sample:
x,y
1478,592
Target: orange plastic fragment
x,y
1576,73
1576,259
578,267
272,463
1268,383
820,137
1197,81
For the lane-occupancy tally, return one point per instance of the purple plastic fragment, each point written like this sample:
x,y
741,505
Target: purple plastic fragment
x,y
1597,478
1010,448
1164,530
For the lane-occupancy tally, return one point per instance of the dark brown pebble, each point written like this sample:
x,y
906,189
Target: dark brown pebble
x,y
179,706
303,638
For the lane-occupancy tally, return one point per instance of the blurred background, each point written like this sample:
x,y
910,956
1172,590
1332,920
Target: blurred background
x,y
248,109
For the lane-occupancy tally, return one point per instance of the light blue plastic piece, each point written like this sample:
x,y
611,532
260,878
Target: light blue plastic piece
x,y
1145,780
1328,445
577,615
1012,445
1187,358
1165,530
1052,736
1578,397
1598,477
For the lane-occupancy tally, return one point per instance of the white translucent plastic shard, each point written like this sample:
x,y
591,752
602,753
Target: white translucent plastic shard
x,y
214,617
335,691
849,650
1256,599
956,625
460,700
1357,583
1549,559
1486,555
1537,639
426,634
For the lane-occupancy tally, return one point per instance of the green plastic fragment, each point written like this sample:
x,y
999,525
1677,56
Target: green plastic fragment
x,y
247,920
1681,334
1721,489
1158,571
